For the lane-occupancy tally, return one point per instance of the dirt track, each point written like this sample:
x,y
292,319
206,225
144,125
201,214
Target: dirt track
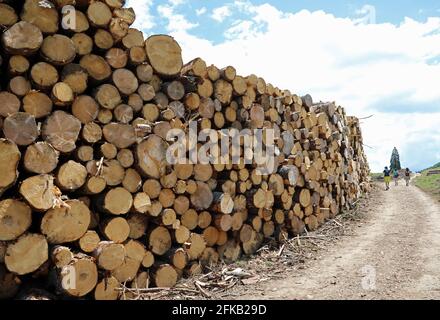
x,y
395,254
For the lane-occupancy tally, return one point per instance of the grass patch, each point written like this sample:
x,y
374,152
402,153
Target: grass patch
x,y
429,184
376,176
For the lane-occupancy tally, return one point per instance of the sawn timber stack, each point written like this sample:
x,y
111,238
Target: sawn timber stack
x,y
85,187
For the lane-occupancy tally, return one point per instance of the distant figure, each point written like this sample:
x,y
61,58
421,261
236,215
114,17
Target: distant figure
x,y
387,178
407,176
396,177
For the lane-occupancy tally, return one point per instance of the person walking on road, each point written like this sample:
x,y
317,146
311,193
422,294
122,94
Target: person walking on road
x,y
407,176
396,177
387,178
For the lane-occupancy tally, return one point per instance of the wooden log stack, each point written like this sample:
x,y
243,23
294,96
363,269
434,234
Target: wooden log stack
x,y
85,187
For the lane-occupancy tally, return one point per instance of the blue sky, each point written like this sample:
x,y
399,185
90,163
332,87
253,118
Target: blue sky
x,y
378,58
390,11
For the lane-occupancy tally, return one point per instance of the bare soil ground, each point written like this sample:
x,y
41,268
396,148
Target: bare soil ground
x,y
393,254
388,247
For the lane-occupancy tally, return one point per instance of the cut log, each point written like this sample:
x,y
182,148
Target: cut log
x,y
9,104
213,73
121,135
196,67
117,58
61,130
203,197
116,229
15,219
8,17
62,95
125,158
19,86
144,72
44,75
108,96
112,172
103,39
148,259
9,158
127,270
61,256
89,241
18,65
83,44
99,14
189,219
151,156
107,289
58,50
230,251
27,254
45,18
178,258
229,73
205,89
125,81
159,241
123,113
66,224
134,38
75,77
132,181
164,276
137,56
71,176
40,192
22,38
21,128
118,28
109,255
210,235
96,66
138,225
117,201
91,132
85,109
195,246
37,104
175,90
164,55
204,219
79,277
223,91
222,203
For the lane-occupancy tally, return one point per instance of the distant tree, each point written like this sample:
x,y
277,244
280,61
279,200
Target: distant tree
x,y
395,160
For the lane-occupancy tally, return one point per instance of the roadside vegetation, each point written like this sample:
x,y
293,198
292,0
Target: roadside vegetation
x,y
429,183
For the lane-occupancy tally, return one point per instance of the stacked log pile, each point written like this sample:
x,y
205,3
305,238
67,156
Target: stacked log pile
x,y
87,198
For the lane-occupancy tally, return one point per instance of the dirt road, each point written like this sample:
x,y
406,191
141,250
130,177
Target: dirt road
x,y
395,254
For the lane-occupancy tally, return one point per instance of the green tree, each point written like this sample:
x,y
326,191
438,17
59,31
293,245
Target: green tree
x,y
395,160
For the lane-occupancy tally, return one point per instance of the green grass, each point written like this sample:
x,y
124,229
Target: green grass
x,y
376,176
430,184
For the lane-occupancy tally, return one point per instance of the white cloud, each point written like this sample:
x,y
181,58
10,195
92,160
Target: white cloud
x,y
381,69
176,22
201,11
144,18
221,13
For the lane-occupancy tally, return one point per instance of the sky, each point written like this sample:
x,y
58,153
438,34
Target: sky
x,y
379,58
